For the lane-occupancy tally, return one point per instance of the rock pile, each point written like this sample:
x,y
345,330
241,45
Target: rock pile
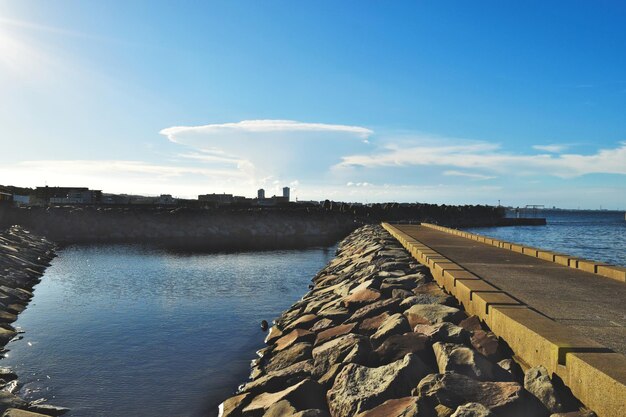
x,y
23,260
376,337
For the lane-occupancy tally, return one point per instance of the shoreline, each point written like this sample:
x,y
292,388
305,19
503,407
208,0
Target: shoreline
x,y
24,258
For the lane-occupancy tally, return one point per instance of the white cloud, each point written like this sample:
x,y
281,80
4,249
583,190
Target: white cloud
x,y
358,184
488,156
263,126
550,148
468,175
282,149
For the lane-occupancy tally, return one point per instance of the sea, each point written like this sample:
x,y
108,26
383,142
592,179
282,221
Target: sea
x,y
598,235
123,330
118,330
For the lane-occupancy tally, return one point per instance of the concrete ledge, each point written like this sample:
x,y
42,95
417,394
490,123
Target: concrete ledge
x,y
599,377
596,376
617,273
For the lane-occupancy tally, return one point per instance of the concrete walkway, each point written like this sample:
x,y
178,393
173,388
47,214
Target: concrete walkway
x,y
592,304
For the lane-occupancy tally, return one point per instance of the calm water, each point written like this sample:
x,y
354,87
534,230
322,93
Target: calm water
x,y
599,233
126,330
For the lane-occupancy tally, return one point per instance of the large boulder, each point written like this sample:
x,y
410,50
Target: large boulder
x,y
472,410
444,332
304,395
284,408
360,298
350,348
397,407
233,406
293,337
277,380
452,357
486,343
432,313
332,332
452,390
537,382
296,353
394,324
389,305
370,325
397,346
358,388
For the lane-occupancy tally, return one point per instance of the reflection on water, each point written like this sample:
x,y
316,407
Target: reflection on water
x,y
125,330
599,235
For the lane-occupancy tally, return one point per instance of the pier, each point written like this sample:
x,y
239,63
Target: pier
x,y
565,313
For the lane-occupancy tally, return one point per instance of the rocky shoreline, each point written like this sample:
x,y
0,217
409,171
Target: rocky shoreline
x,y
375,336
23,260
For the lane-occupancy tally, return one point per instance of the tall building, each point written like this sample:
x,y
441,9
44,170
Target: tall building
x,y
286,193
260,194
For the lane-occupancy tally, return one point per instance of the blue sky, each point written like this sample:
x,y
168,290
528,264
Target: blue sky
x,y
443,102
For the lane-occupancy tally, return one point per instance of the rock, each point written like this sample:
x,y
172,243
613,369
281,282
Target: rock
x,y
274,334
394,324
399,407
538,383
278,380
486,343
389,305
323,324
463,360
335,314
14,412
401,293
513,369
296,353
350,348
304,395
397,346
432,313
293,337
284,409
358,388
360,298
452,390
370,325
444,332
443,411
471,323
304,322
8,400
47,409
331,333
328,379
7,374
472,410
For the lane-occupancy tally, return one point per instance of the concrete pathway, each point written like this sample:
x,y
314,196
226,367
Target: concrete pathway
x,y
592,304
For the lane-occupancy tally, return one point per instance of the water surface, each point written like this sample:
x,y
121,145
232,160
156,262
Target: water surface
x,y
124,330
595,235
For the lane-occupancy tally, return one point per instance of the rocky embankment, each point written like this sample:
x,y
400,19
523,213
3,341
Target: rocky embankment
x,y
23,260
182,228
376,337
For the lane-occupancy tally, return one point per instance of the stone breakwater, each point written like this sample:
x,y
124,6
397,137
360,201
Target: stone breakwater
x,y
376,337
23,260
219,230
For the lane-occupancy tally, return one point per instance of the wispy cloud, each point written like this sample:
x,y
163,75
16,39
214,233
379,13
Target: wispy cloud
x,y
468,175
551,148
490,157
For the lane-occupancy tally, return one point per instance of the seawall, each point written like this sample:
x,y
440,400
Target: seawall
x,y
23,259
214,230
377,336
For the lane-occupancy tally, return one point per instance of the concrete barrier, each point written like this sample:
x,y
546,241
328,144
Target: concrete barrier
x,y
595,374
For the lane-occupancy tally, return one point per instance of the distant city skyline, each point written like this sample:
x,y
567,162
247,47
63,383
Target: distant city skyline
x,y
473,103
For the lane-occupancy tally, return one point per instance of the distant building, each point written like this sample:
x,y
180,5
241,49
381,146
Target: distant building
x,y
6,198
218,199
65,195
21,200
166,200
260,194
286,193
